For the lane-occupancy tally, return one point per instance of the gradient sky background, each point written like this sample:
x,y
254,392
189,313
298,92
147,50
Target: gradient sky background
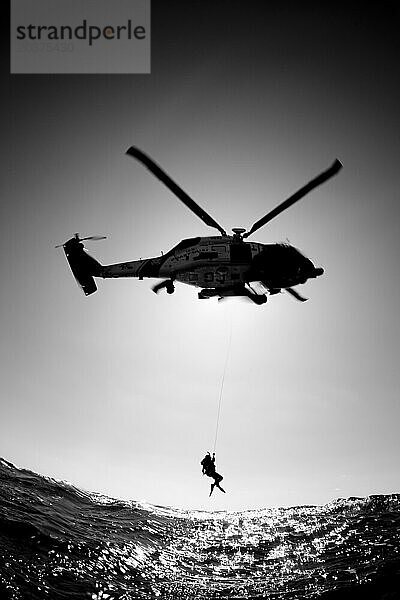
x,y
118,392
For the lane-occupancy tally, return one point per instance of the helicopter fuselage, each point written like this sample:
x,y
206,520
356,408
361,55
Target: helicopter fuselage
x,y
222,262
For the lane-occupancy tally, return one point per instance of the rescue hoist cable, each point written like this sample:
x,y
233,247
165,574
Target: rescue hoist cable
x,y
223,381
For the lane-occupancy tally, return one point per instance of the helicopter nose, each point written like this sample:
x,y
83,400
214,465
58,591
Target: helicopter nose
x,y
318,271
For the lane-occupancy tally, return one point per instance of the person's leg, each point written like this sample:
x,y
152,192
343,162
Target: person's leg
x,y
218,480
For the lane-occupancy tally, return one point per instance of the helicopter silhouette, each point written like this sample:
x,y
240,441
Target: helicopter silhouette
x,y
222,266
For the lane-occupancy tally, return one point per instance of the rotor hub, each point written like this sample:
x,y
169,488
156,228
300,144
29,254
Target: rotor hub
x,y
238,232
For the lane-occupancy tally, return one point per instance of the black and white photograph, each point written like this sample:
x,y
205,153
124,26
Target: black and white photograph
x,y
200,300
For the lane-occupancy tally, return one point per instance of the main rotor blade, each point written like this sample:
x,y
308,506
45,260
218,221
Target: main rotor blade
x,y
335,168
174,187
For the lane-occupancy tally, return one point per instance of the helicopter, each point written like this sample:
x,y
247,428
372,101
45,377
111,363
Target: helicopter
x,y
221,265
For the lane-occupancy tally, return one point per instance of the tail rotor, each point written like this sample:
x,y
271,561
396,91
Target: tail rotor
x,y
78,239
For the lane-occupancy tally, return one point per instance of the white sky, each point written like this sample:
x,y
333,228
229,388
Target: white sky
x,y
118,392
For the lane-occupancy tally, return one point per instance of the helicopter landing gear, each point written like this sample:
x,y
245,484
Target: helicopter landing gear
x,y
205,295
168,284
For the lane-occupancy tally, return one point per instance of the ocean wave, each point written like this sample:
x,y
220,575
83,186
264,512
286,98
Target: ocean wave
x,y
60,542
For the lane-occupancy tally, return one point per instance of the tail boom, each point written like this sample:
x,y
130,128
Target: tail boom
x,y
85,268
149,267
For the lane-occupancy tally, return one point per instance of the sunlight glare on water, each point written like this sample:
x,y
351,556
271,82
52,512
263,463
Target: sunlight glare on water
x,y
60,542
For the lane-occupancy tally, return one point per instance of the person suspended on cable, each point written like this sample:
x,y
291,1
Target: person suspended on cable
x,y
208,464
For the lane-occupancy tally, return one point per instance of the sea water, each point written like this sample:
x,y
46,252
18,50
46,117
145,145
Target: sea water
x,y
59,542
